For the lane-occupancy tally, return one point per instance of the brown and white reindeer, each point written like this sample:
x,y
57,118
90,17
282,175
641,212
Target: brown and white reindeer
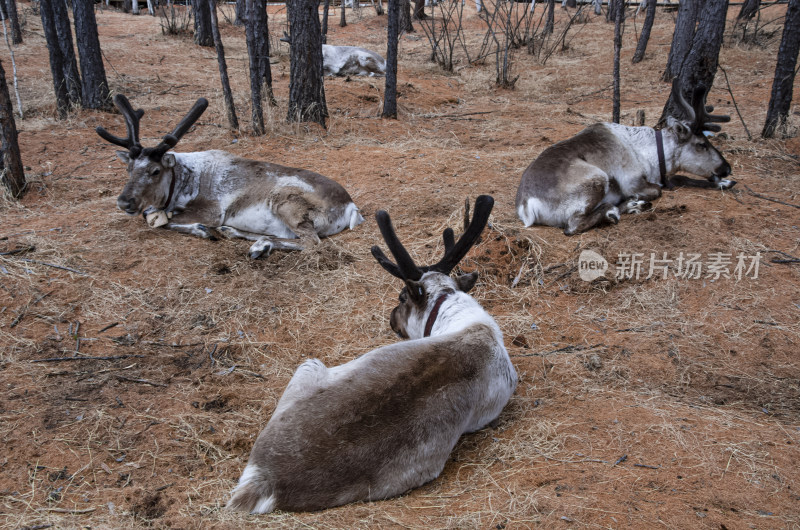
x,y
608,169
348,60
213,193
386,422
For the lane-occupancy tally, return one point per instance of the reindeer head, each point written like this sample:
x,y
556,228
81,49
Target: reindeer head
x,y
150,180
694,152
425,287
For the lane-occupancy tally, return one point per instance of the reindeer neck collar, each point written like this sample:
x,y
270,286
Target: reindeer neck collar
x,y
434,314
662,163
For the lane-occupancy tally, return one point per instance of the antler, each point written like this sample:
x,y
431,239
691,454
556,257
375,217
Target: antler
x,y
131,143
698,111
186,123
406,269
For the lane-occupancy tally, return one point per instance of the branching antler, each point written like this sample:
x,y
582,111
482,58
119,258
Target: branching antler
x,y
406,269
186,123
698,111
131,143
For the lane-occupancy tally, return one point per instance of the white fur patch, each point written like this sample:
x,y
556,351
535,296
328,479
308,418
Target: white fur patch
x,y
293,182
265,505
259,219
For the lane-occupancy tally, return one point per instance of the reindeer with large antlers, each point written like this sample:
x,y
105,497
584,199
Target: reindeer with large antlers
x,y
386,422
608,169
214,193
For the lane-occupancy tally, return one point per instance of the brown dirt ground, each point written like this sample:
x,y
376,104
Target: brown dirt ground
x,y
671,402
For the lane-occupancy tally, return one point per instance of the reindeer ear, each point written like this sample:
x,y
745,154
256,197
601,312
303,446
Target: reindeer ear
x,y
682,130
416,291
168,160
124,156
465,282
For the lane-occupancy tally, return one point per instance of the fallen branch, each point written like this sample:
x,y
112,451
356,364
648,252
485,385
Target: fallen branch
x,y
67,359
54,266
645,465
565,349
68,510
18,251
755,194
142,381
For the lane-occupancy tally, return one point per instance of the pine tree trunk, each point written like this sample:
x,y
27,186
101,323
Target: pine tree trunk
x,y
56,57
681,37
641,46
71,75
619,20
241,13
12,174
306,86
325,9
748,10
781,98
700,65
390,93
257,112
342,21
202,23
550,23
13,18
419,10
93,74
405,17
230,109
261,35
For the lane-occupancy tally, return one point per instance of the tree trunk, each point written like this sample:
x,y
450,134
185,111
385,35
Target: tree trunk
x,y
230,109
748,10
12,173
71,75
405,17
306,86
390,93
56,57
612,9
135,7
93,73
649,17
781,97
419,10
550,23
619,20
325,9
202,23
342,21
700,65
681,37
241,13
261,29
253,51
13,18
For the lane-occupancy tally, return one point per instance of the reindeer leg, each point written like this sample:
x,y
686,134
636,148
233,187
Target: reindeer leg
x,y
640,201
264,246
195,229
713,182
596,211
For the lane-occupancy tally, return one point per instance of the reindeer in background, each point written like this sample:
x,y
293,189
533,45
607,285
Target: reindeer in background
x,y
608,169
386,422
214,193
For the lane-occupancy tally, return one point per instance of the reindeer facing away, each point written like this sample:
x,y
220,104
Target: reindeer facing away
x,y
608,169
386,421
214,193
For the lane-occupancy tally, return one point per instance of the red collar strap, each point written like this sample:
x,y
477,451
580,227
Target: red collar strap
x,y
662,164
434,314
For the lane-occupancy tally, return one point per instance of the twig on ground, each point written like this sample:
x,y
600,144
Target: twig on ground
x,y
565,349
756,194
109,327
54,266
142,381
63,359
68,510
648,467
620,460
20,250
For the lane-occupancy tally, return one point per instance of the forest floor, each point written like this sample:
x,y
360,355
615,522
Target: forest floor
x,y
642,401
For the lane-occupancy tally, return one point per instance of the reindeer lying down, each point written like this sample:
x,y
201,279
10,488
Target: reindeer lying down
x,y
213,193
386,421
608,169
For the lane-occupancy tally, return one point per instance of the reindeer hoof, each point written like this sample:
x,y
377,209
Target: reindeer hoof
x,y
260,249
637,206
726,184
613,215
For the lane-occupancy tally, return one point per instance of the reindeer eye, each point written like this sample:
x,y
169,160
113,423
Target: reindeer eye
x,y
156,172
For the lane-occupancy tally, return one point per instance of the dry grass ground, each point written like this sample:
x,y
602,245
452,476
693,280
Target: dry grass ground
x,y
642,402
